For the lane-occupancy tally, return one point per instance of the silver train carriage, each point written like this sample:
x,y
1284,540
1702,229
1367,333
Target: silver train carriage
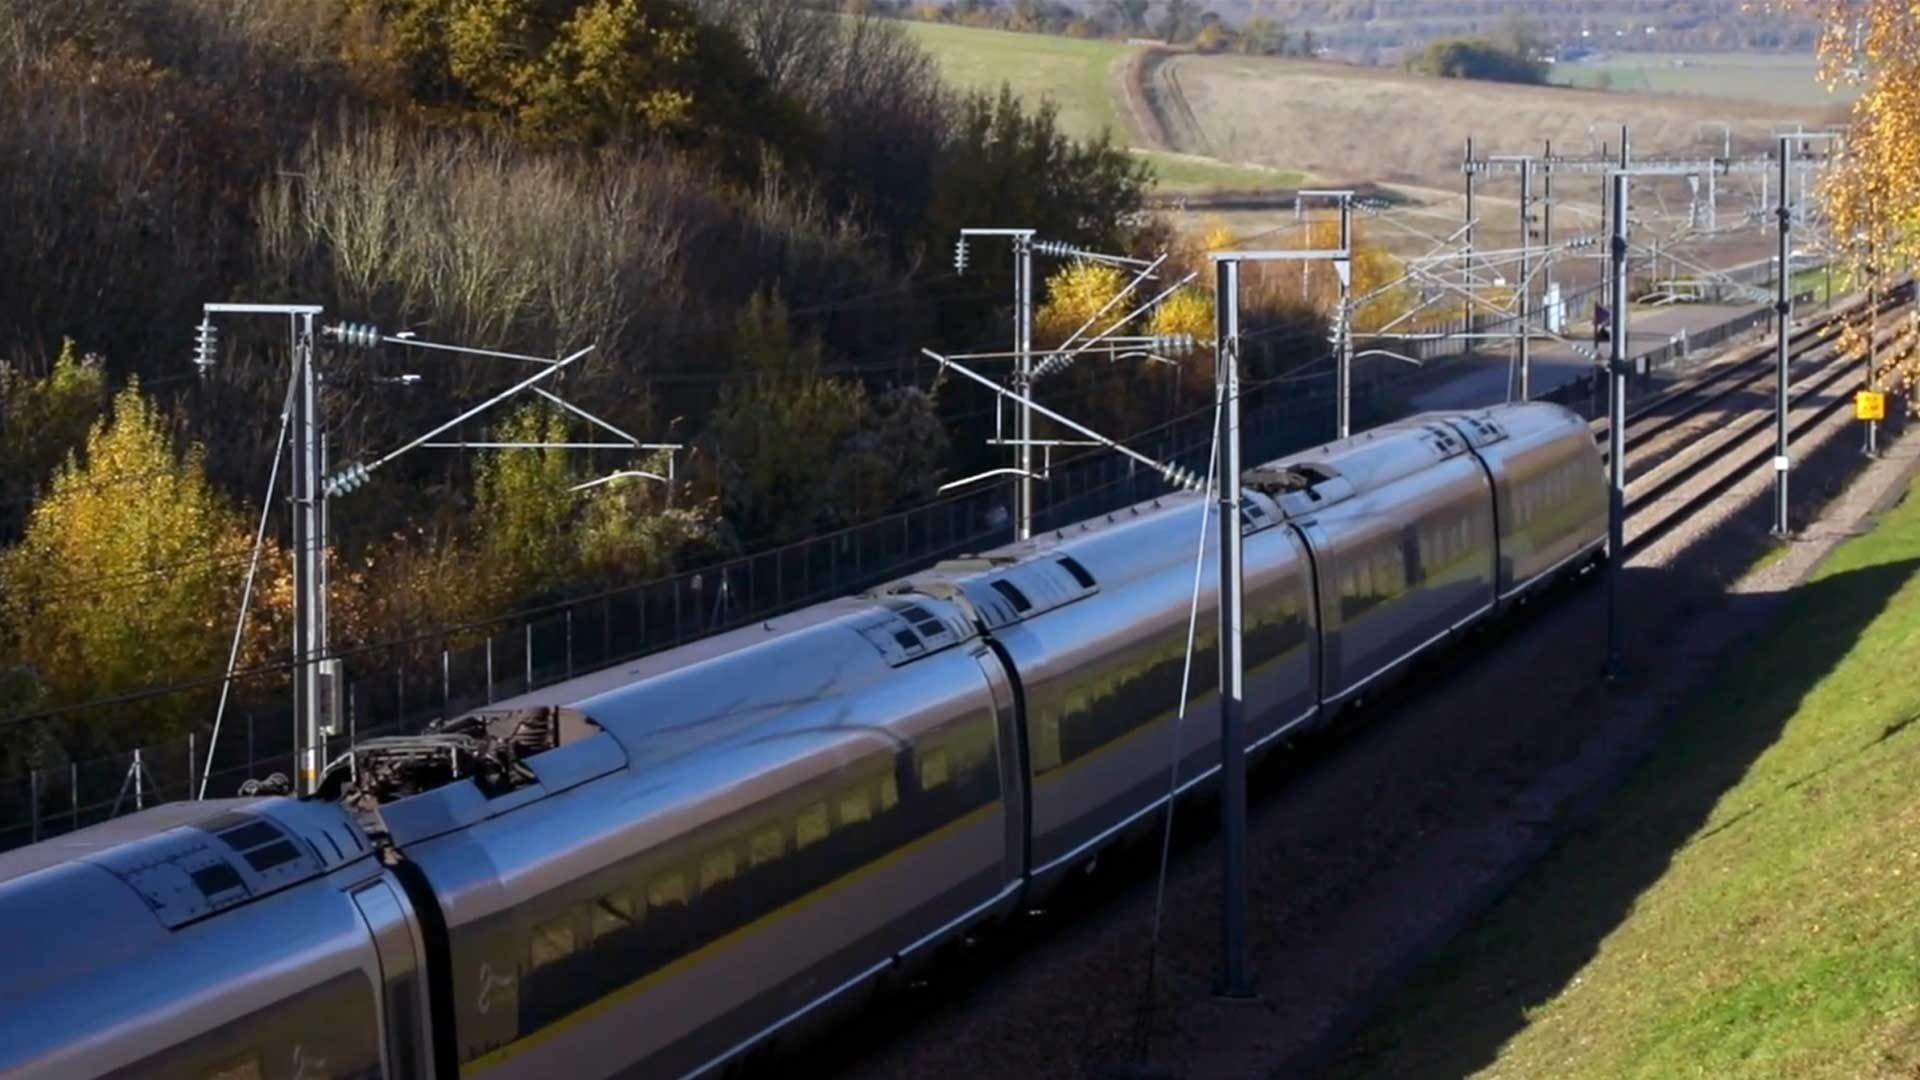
x,y
664,867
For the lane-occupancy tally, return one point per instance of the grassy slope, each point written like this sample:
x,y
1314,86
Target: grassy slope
x,y
1746,905
1071,72
1781,80
1078,76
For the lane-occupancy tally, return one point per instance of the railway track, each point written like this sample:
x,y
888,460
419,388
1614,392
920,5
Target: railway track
x,y
1719,384
1693,467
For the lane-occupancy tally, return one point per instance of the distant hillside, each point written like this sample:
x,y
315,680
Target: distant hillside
x,y
1231,121
1353,123
1677,25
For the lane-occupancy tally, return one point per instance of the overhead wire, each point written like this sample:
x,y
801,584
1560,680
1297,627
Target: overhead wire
x,y
525,615
246,592
1143,1024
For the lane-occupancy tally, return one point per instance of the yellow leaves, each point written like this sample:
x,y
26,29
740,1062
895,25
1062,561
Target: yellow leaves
x,y
1873,198
1218,237
523,504
130,569
1075,293
1188,311
577,71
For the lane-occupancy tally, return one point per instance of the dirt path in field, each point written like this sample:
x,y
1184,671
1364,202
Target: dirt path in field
x,y
1128,85
1167,101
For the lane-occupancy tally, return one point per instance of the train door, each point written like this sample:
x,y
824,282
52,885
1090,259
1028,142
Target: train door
x,y
1013,765
403,979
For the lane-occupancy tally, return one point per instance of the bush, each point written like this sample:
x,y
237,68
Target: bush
x,y
1477,58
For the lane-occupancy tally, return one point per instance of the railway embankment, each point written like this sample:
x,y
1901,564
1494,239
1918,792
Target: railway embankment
x,y
1743,904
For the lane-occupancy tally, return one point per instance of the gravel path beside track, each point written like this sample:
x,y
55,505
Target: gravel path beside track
x,y
1368,848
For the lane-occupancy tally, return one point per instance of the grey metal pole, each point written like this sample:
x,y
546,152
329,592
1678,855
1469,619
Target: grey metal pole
x,y
1467,264
1526,271
1344,372
1783,308
1873,359
1236,974
1546,210
1617,368
309,623
1713,204
1023,345
1873,347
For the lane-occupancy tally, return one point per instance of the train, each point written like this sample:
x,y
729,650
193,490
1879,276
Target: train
x,y
680,865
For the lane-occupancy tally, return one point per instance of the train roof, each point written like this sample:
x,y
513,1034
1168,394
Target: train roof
x,y
785,678
187,860
789,677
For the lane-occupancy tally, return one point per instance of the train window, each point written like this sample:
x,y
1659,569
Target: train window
x,y
246,1068
889,792
717,867
934,769
1014,596
667,889
854,807
1079,572
811,827
612,913
552,942
766,846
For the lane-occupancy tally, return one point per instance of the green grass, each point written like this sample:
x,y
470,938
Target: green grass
x,y
1187,172
1074,74
1775,79
1745,905
1820,283
1080,78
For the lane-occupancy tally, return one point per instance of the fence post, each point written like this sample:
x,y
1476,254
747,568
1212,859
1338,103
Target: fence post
x,y
446,681
139,782
529,656
489,669
33,797
569,643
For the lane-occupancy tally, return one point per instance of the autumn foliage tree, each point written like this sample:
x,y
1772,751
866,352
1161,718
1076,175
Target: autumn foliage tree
x,y
586,72
791,449
42,420
128,576
1872,199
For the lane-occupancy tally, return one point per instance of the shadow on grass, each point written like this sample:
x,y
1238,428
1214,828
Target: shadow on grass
x,y
1454,1016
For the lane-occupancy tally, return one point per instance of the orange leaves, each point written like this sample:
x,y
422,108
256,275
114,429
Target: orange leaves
x,y
1872,199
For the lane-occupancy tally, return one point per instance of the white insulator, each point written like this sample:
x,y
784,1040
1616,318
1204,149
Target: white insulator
x,y
206,345
354,335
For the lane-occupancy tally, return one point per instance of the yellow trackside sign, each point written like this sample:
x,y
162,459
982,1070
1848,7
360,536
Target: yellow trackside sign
x,y
1869,405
